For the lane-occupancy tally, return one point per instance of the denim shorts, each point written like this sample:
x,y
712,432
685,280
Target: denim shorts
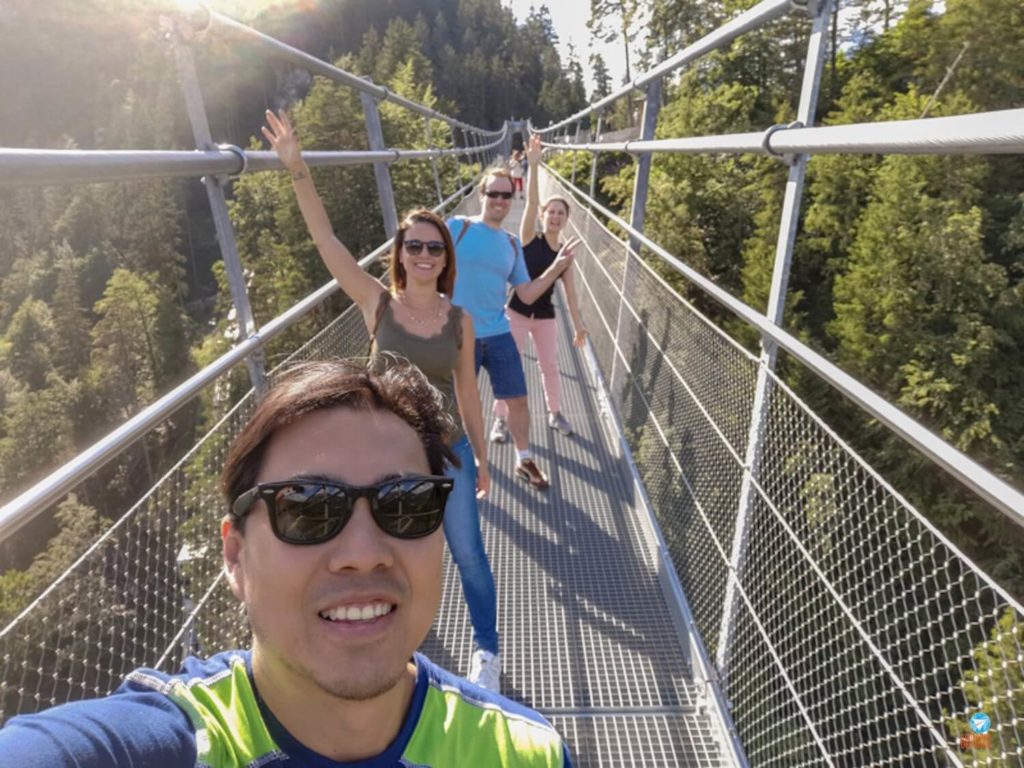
x,y
499,355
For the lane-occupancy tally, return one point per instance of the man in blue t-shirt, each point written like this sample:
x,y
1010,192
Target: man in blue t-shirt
x,y
489,259
333,544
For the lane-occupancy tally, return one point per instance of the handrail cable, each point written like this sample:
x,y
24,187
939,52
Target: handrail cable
x,y
59,166
30,503
996,132
760,14
974,476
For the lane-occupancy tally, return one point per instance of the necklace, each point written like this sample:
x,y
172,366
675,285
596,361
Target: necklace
x,y
421,321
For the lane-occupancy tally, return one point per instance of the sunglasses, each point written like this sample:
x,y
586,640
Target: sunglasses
x,y
315,511
494,195
434,247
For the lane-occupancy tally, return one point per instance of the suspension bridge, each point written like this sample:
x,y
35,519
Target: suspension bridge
x,y
715,578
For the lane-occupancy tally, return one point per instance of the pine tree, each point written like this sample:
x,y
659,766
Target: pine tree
x,y
38,434
29,343
602,79
139,336
70,320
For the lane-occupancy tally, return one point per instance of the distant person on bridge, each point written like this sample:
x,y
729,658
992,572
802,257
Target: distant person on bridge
x,y
538,319
515,170
336,492
490,259
417,320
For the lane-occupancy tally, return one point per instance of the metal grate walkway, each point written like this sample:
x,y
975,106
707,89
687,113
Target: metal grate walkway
x,y
587,637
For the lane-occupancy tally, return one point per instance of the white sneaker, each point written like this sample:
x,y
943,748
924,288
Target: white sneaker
x,y
559,422
499,431
485,670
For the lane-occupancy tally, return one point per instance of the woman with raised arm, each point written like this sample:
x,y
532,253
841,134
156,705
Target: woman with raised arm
x,y
538,319
416,319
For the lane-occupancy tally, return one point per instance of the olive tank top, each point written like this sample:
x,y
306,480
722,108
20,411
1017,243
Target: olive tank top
x,y
435,355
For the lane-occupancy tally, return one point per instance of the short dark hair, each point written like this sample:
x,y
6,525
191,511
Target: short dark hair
x,y
445,280
397,386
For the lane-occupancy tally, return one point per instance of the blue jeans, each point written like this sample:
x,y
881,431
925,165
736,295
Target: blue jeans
x,y
462,530
500,356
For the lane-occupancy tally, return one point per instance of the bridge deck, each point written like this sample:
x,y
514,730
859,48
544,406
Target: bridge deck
x,y
587,637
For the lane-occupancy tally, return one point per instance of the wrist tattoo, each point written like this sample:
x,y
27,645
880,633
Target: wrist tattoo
x,y
298,175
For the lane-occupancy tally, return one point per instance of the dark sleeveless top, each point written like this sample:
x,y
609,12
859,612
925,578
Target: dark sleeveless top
x,y
538,256
435,355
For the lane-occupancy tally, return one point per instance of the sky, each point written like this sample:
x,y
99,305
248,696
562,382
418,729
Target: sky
x,y
570,21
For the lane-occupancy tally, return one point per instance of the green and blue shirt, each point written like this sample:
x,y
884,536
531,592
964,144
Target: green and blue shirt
x,y
210,716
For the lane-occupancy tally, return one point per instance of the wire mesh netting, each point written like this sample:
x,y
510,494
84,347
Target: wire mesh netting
x,y
858,635
150,589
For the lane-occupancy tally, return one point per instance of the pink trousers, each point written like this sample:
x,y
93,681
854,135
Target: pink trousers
x,y
545,342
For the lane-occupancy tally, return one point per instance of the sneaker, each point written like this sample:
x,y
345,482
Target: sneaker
x,y
559,422
485,670
499,432
528,471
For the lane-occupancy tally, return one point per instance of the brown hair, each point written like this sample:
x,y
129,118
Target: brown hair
x,y
445,280
398,387
495,173
555,199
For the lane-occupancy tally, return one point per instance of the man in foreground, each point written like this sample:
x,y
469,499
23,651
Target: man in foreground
x,y
334,547
489,259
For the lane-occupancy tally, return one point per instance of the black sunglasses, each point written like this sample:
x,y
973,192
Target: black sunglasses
x,y
434,247
494,195
314,511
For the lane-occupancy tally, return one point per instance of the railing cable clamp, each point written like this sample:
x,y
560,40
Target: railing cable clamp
x,y
787,158
235,150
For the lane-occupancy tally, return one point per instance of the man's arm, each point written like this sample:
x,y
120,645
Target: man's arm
x,y
533,290
124,730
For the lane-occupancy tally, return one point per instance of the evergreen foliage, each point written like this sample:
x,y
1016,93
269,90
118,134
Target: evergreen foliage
x,y
906,269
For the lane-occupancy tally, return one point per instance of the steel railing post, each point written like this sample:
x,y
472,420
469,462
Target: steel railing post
x,y
594,155
433,162
381,172
776,307
460,159
575,153
652,105
218,206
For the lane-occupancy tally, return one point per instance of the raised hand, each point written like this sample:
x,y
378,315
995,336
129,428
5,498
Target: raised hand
x,y
281,136
533,150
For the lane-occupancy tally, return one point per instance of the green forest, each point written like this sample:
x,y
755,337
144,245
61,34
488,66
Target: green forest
x,y
908,270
